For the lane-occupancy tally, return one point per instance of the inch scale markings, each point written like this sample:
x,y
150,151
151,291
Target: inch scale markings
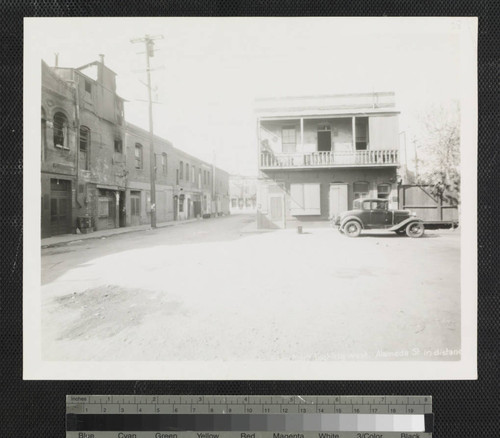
x,y
157,416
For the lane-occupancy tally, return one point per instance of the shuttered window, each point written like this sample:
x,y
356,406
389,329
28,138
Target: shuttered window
x,y
305,199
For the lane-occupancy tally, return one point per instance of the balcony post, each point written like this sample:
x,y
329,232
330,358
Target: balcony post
x,y
302,134
353,133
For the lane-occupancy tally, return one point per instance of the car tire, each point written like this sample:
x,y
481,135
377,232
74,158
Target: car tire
x,y
415,229
352,229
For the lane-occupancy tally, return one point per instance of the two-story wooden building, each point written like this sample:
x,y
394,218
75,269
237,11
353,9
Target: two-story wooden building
x,y
317,154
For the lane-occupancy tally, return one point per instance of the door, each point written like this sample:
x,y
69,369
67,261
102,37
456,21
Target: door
x,y
380,217
107,206
277,210
122,210
60,207
135,208
338,199
324,141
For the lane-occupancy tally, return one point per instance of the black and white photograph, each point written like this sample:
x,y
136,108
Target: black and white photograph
x,y
250,198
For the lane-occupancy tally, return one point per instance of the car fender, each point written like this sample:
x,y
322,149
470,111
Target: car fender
x,y
405,223
351,218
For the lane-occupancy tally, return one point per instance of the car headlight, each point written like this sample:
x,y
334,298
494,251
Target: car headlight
x,y
413,213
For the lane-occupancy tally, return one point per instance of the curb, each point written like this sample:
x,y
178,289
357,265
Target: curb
x,y
127,231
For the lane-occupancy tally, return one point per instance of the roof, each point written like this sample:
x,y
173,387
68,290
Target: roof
x,y
324,105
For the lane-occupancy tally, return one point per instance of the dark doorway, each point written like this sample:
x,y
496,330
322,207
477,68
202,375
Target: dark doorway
x,y
197,208
60,207
324,141
122,209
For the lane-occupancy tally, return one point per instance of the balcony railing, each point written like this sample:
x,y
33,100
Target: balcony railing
x,y
329,159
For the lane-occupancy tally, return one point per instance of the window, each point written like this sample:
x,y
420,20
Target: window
x,y
361,124
193,171
60,131
367,205
164,163
379,205
83,158
88,89
181,170
187,172
177,176
234,202
118,145
383,191
138,156
305,199
288,139
360,190
199,178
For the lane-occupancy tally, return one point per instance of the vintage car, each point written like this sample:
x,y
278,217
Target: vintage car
x,y
374,214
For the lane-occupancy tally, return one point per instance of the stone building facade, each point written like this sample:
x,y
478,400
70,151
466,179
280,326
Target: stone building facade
x,y
95,167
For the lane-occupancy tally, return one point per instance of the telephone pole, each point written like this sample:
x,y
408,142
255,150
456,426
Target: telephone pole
x,y
148,41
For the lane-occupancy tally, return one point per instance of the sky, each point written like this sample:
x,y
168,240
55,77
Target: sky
x,y
208,71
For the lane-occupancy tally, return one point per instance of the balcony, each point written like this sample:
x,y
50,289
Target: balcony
x,y
373,158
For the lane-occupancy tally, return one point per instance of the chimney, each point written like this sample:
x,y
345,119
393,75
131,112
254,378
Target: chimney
x,y
57,59
101,56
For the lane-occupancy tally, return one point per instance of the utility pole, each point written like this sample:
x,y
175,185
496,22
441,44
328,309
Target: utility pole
x,y
148,41
416,158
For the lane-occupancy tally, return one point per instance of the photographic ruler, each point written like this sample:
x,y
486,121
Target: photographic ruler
x,y
205,416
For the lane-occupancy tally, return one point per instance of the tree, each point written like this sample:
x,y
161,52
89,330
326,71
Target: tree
x,y
439,151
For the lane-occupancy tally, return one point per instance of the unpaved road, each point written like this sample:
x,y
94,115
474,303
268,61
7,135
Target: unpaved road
x,y
215,290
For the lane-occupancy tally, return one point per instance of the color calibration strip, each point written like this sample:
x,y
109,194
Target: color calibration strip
x,y
102,417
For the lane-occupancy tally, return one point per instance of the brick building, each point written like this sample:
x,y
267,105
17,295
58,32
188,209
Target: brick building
x,y
95,166
317,154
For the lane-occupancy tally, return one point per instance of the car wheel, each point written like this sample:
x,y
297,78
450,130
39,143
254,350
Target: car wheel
x,y
352,229
415,229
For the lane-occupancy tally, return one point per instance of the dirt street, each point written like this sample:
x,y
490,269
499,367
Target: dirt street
x,y
215,289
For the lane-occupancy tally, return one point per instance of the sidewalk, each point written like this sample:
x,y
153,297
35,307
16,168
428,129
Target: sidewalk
x,y
67,239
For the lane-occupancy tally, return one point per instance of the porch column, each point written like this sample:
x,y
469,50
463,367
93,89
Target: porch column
x,y
302,134
353,133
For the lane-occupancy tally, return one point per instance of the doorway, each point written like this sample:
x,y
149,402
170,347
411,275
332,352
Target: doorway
x,y
135,208
60,207
176,208
122,209
338,199
324,141
277,210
